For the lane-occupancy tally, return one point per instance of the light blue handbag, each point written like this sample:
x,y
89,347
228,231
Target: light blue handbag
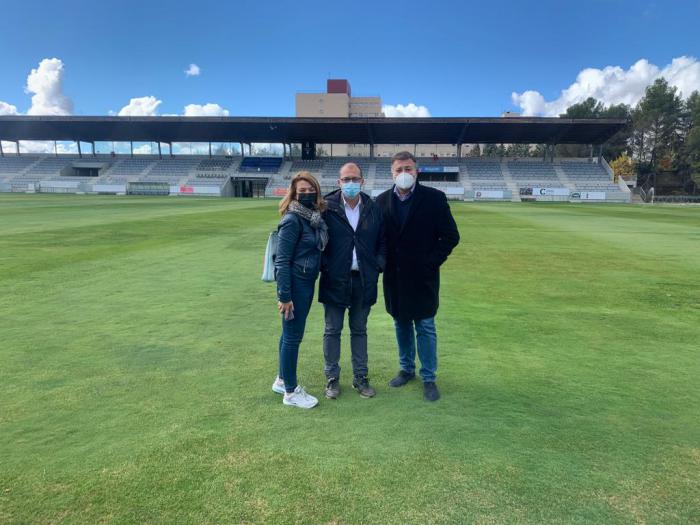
x,y
268,274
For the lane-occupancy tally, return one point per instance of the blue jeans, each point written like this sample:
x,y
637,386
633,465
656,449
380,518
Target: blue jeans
x,y
426,335
293,331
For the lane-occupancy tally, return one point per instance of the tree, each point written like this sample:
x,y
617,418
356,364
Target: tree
x,y
691,146
518,150
657,124
590,109
475,151
538,150
491,150
618,144
623,167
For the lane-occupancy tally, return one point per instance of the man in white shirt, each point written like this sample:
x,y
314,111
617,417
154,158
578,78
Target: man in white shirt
x,y
350,267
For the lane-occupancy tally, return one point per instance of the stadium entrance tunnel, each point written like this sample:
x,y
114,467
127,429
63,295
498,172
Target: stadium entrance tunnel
x,y
249,188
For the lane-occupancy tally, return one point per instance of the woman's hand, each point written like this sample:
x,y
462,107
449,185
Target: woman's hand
x,y
286,309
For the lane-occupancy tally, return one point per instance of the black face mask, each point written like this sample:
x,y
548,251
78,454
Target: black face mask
x,y
307,199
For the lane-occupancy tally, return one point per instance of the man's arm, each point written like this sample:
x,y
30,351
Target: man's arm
x,y
447,233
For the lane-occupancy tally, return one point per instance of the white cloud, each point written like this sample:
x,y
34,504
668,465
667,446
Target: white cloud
x,y
613,85
46,82
192,71
141,107
267,147
190,148
206,110
7,109
47,146
409,110
8,147
143,149
36,146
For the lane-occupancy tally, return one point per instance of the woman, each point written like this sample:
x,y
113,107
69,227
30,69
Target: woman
x,y
302,236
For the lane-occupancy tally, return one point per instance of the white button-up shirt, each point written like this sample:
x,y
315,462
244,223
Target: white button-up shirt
x,y
353,215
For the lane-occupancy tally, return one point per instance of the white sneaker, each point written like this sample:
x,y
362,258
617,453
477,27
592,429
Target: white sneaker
x,y
299,398
278,386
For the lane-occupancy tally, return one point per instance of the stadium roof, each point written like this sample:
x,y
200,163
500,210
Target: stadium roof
x,y
456,130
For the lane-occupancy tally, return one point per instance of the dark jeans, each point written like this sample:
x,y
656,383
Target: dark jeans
x,y
357,319
426,335
293,331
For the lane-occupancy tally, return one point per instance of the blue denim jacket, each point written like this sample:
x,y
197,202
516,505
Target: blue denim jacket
x,y
298,255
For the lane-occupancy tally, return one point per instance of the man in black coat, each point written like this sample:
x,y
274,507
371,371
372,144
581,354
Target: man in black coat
x,y
350,266
420,233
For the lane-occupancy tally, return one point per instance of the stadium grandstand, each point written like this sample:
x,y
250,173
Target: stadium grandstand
x,y
462,178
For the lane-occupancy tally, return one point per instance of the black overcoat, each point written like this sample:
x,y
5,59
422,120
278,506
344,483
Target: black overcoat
x,y
415,251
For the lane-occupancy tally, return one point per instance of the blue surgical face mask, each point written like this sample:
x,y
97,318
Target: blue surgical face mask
x,y
350,189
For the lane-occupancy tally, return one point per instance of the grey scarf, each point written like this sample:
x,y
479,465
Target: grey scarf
x,y
315,219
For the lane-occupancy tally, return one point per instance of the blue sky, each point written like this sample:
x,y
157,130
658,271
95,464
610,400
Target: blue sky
x,y
454,58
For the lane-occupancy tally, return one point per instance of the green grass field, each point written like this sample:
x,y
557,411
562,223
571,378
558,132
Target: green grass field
x,y
138,346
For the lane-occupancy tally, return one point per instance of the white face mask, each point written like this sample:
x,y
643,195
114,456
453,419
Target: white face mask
x,y
404,181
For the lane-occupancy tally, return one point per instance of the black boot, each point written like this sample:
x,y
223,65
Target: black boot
x,y
430,391
401,379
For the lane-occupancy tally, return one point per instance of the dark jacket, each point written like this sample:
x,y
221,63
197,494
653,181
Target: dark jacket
x,y
297,256
415,251
336,262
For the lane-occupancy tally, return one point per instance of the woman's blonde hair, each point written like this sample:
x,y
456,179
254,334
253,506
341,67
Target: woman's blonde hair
x,y
292,192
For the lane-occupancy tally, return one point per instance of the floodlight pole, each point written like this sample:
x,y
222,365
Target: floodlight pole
x,y
17,144
80,152
170,148
209,149
55,148
131,146
242,152
93,148
2,153
160,155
